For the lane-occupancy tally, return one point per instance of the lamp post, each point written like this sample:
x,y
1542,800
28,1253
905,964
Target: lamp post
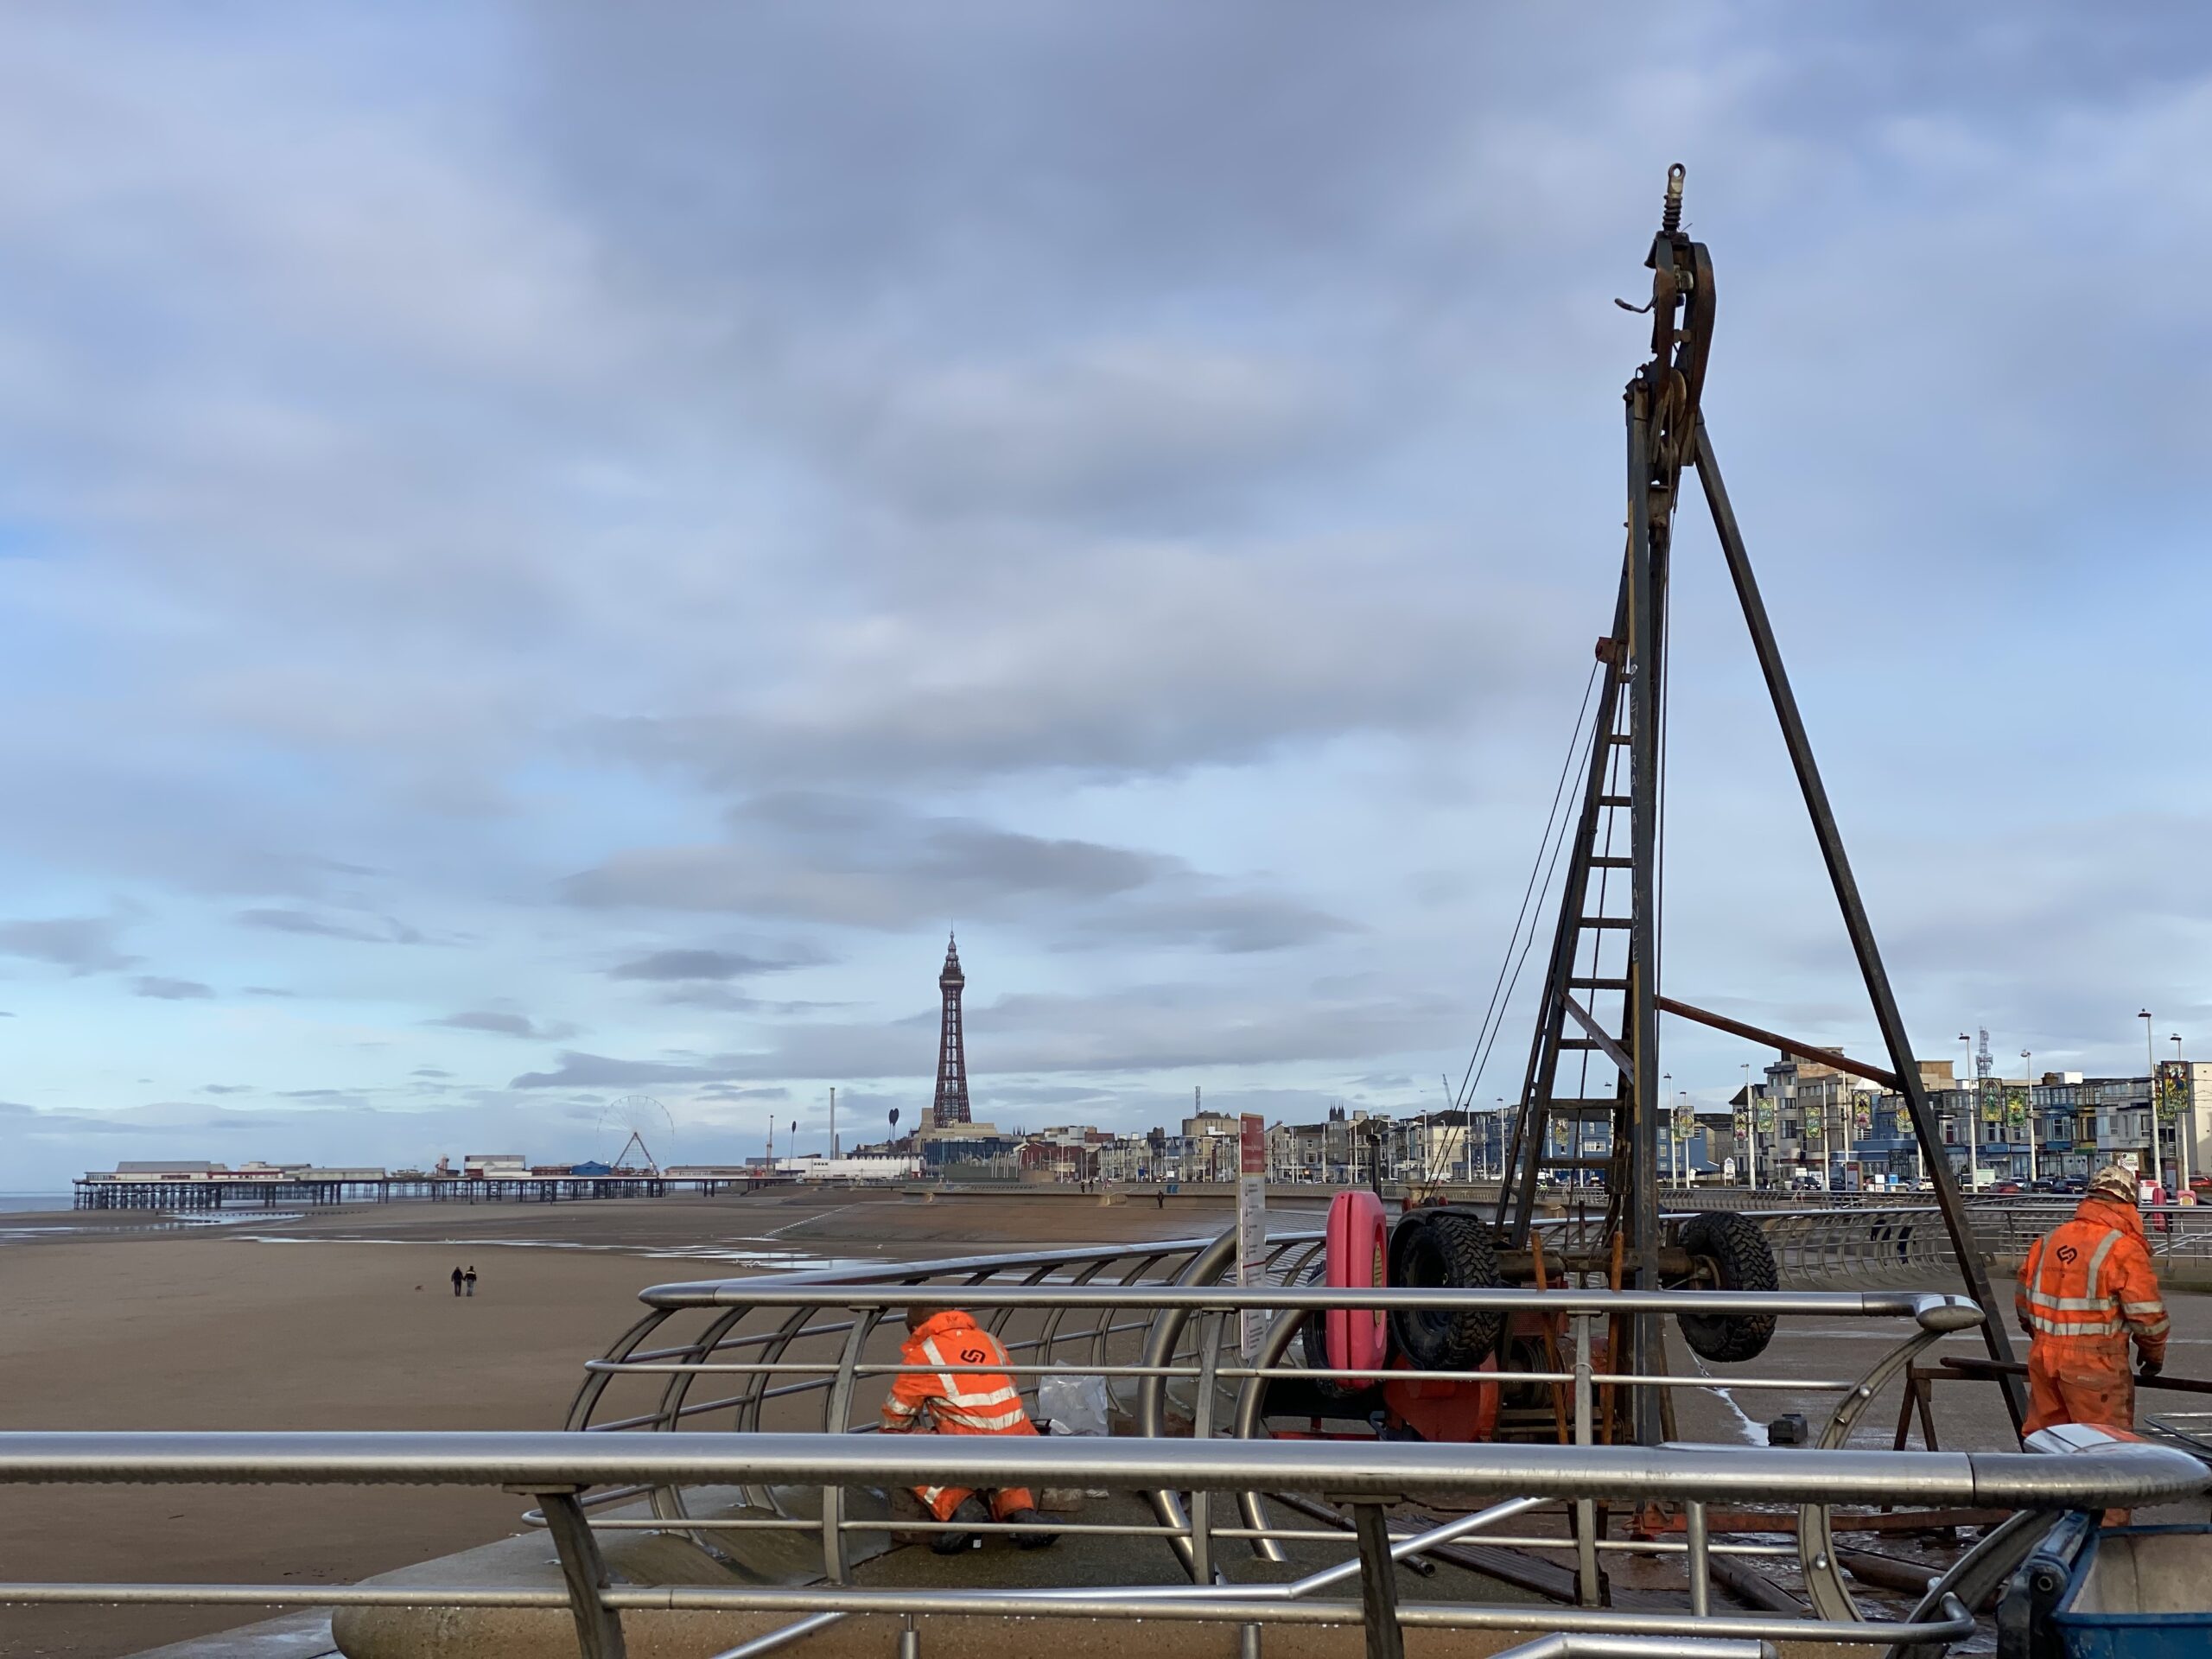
x,y
2151,1064
2028,1099
1973,1118
1665,1078
1751,1133
2184,1118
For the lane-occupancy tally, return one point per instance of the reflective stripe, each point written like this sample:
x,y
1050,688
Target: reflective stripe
x,y
995,1397
2110,1327
2158,1308
985,1424
2070,1304
2097,1260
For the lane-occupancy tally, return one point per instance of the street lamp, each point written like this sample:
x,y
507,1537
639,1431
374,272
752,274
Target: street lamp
x,y
1751,1133
1666,1078
2028,1099
2151,1064
1973,1118
2184,1116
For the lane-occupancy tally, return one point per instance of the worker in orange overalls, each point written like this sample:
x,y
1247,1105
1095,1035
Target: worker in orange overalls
x,y
961,1402
2086,1289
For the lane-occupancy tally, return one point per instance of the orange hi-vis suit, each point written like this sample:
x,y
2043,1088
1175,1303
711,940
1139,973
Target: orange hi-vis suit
x,y
957,1402
2086,1289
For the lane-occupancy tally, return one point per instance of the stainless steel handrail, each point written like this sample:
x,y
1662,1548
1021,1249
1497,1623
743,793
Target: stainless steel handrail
x,y
1172,1285
559,1465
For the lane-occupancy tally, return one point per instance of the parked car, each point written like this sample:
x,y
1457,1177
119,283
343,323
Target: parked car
x,y
1807,1183
2071,1185
2003,1189
2042,1184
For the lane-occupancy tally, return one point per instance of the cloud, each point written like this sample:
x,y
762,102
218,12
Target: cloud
x,y
861,861
504,1025
1141,1030
169,990
381,931
582,1071
1018,495
83,944
679,963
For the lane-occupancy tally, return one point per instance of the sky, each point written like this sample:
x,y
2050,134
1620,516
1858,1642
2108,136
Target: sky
x,y
548,554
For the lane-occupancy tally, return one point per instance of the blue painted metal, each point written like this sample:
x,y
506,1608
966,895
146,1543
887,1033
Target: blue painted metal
x,y
2107,1629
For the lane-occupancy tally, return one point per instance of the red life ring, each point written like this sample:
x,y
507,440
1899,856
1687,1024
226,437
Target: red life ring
x,y
1357,1337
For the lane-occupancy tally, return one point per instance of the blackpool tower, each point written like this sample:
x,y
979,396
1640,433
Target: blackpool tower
x,y
950,1105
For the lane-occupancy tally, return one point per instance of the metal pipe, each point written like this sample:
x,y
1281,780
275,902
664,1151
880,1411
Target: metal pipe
x,y
1854,910
1194,1298
983,1604
1574,1644
538,1460
706,1293
772,1641
1698,1547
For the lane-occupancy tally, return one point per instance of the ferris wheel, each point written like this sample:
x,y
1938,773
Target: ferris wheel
x,y
635,1117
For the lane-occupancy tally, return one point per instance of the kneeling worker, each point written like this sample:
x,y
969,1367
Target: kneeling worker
x,y
961,1402
2086,1289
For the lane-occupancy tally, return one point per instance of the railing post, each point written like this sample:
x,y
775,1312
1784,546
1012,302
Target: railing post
x,y
1378,1583
599,1627
1701,1563
1589,1587
1201,1429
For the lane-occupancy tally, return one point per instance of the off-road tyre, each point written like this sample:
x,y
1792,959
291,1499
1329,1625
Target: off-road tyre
x,y
1733,1251
1313,1342
1438,1249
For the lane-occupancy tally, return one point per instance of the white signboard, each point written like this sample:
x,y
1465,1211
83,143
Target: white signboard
x,y
1252,1227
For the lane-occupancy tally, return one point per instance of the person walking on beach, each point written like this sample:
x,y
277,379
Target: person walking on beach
x,y
456,1281
470,1278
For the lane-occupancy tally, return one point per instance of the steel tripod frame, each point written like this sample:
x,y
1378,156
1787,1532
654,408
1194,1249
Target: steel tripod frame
x,y
1666,431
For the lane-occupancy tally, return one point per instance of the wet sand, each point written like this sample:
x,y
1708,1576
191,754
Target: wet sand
x,y
112,1323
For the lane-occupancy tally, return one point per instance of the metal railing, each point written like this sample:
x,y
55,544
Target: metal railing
x,y
2176,1233
1827,1245
560,1467
809,1349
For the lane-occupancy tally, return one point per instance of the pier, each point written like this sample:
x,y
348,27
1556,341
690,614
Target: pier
x,y
292,1191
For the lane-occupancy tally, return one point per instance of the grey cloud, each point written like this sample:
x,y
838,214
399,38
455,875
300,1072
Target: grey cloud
x,y
169,990
83,944
380,930
225,1089
1130,661
1147,1029
582,1071
859,862
679,963
268,990
501,1024
1234,923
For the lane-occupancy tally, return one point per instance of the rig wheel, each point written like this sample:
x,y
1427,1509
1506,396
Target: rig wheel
x,y
1732,1253
1438,1249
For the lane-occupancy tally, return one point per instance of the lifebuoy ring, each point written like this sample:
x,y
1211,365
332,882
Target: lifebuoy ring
x,y
1357,1339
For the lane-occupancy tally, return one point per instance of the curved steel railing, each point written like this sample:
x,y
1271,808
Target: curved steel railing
x,y
803,1349
559,1466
